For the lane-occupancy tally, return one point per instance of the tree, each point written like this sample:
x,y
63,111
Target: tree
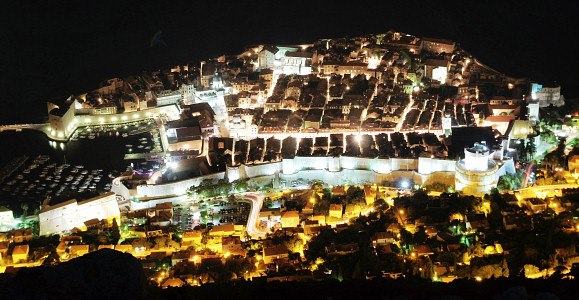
x,y
428,269
52,259
160,242
24,207
354,195
115,233
420,236
267,202
406,237
240,185
530,148
521,150
548,136
552,160
510,181
141,242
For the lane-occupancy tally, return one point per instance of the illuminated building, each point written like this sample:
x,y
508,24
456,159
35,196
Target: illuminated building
x,y
61,116
188,93
342,68
168,97
20,253
547,94
266,57
477,173
436,69
290,219
297,63
184,135
436,45
6,218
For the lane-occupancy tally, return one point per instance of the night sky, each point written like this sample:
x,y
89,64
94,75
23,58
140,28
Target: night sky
x,y
55,48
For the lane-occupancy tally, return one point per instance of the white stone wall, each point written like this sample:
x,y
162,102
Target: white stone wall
x,y
354,170
427,165
102,207
263,169
68,215
62,218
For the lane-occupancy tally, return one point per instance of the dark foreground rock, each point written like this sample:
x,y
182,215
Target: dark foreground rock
x,y
104,274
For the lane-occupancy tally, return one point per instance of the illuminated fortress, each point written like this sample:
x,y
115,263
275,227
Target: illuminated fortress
x,y
477,173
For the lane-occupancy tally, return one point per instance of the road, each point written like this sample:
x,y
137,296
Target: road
x,y
256,203
556,189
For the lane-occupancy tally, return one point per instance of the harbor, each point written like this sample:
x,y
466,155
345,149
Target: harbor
x,y
35,167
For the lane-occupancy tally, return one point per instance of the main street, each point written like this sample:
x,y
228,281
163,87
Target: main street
x,y
252,220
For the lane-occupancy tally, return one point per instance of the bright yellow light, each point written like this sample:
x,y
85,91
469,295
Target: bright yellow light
x,y
413,254
227,254
478,278
312,200
401,211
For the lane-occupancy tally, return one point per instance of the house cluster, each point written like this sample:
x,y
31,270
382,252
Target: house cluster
x,y
371,84
402,230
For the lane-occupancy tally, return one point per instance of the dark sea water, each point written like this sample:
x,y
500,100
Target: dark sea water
x,y
103,152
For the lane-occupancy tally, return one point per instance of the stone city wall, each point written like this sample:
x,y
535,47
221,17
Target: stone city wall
x,y
353,170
